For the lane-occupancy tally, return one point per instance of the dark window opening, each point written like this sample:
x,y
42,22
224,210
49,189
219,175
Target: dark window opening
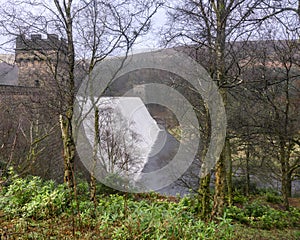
x,y
37,83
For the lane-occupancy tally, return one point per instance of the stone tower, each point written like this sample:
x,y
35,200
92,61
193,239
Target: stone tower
x,y
41,62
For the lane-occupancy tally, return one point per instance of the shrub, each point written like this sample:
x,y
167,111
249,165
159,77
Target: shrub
x,y
239,198
32,197
192,203
264,217
255,209
273,197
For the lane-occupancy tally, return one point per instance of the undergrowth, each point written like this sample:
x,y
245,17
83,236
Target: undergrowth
x,y
37,209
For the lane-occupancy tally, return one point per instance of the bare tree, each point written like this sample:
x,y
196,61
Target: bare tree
x,y
212,25
25,134
268,128
98,28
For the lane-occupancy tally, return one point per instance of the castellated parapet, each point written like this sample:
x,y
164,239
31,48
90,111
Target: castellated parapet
x,y
41,62
36,42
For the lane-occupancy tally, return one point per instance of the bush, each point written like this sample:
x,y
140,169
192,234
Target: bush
x,y
239,198
32,197
155,219
255,209
264,217
270,195
192,203
273,198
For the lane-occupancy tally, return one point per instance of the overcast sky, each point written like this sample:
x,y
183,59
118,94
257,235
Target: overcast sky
x,y
150,41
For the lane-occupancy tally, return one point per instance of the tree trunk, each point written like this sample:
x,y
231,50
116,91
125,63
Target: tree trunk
x,y
219,197
68,148
284,175
68,86
247,187
204,193
228,171
220,78
95,151
289,184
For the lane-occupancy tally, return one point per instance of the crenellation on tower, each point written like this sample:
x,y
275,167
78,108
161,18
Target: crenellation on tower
x,y
38,58
36,42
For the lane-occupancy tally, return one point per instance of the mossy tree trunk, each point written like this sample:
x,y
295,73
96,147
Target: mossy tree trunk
x,y
95,152
219,8
68,150
68,87
204,194
220,182
247,170
284,174
228,171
